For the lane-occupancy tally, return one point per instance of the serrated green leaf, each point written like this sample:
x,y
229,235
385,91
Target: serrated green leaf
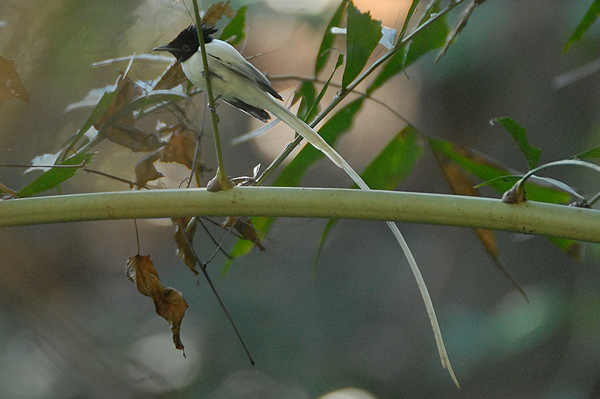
x,y
363,34
235,28
433,37
394,164
53,177
328,38
293,174
519,134
588,20
486,169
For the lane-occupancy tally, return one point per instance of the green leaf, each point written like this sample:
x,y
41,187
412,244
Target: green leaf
x,y
363,34
409,15
338,124
328,38
53,177
312,114
589,18
433,37
570,247
499,178
99,110
593,153
235,28
496,175
293,174
394,164
308,93
519,134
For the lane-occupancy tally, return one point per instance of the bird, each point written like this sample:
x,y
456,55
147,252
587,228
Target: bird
x,y
239,83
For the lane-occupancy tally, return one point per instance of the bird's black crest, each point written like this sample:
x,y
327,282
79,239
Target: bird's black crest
x,y
186,43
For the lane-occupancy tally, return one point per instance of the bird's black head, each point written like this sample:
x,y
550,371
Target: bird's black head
x,y
186,43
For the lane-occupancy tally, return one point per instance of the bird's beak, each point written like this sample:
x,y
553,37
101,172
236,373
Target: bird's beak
x,y
164,47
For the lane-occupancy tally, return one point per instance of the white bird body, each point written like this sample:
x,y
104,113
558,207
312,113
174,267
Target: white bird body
x,y
234,79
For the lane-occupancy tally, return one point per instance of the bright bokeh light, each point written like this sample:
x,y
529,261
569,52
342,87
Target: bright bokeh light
x,y
349,393
159,367
25,371
305,6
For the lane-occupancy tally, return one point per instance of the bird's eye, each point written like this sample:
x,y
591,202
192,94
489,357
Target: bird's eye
x,y
186,47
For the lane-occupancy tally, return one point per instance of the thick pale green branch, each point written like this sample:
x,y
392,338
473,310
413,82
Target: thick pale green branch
x,y
529,217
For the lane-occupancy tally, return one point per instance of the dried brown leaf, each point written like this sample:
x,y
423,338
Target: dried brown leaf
x,y
133,138
186,226
181,148
126,91
172,77
145,170
173,310
217,11
11,85
6,190
168,302
244,226
142,272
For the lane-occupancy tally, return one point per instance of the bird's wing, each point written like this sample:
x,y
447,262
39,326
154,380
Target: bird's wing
x,y
233,61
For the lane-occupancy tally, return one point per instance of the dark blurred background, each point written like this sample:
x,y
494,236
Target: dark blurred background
x,y
73,326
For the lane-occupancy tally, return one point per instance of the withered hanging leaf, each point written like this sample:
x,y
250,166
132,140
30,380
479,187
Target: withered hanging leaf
x,y
461,184
459,26
186,226
181,148
172,77
244,226
11,85
217,11
142,272
145,170
168,302
173,310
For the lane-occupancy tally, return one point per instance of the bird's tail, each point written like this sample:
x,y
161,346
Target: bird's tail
x,y
317,141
